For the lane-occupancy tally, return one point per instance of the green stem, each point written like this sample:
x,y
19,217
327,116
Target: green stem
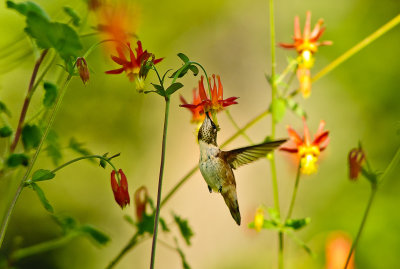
x,y
364,219
273,123
227,142
237,127
56,106
393,163
160,180
132,243
42,247
368,40
296,185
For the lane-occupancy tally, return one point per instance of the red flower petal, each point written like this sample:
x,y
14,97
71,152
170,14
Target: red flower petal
x,y
116,71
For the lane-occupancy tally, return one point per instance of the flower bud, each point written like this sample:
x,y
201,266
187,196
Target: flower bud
x,y
83,69
259,219
120,189
141,198
356,159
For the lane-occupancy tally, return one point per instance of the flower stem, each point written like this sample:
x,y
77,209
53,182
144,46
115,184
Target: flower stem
x,y
132,243
365,42
237,127
296,185
354,245
27,101
164,142
273,122
228,141
56,106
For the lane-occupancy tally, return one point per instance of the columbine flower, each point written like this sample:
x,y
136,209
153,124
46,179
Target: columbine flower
x,y
216,102
120,189
83,69
133,65
196,109
337,249
307,44
141,198
356,159
308,151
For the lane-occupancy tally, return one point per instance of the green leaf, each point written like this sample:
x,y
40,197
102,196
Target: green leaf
x,y
267,224
184,228
159,89
278,109
95,234
4,109
67,223
146,225
53,148
194,69
103,163
274,214
50,95
182,73
26,7
299,242
42,197
173,88
16,159
57,35
74,16
295,107
5,131
42,174
164,225
297,224
129,220
31,136
78,147
185,264
183,57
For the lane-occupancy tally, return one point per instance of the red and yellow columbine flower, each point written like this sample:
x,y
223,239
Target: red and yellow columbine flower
x,y
132,66
306,46
83,69
120,190
308,151
338,246
356,159
216,102
196,109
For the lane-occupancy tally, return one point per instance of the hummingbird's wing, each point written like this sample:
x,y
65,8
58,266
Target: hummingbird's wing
x,y
241,156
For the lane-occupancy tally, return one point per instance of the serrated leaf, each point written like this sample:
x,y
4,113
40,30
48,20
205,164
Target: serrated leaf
x,y
53,148
73,15
16,159
278,109
183,57
25,7
194,69
4,109
78,147
95,234
31,136
297,224
173,88
42,197
50,95
184,228
5,131
42,174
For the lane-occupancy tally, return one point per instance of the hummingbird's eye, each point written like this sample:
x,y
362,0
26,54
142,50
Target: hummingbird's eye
x,y
213,126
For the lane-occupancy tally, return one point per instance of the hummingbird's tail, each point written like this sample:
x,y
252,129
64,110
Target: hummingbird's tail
x,y
230,197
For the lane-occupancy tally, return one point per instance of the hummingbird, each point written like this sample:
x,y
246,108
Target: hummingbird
x,y
216,165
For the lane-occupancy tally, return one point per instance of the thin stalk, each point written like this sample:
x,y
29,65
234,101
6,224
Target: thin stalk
x,y
42,247
365,42
274,91
56,106
160,180
364,219
237,126
132,243
296,185
227,142
27,101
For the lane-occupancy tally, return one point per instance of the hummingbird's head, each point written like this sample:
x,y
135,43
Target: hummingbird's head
x,y
208,131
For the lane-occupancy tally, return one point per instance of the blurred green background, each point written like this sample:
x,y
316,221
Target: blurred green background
x,y
359,101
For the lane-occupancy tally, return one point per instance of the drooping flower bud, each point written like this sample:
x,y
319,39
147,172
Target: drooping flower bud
x,y
83,69
356,159
120,189
141,198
